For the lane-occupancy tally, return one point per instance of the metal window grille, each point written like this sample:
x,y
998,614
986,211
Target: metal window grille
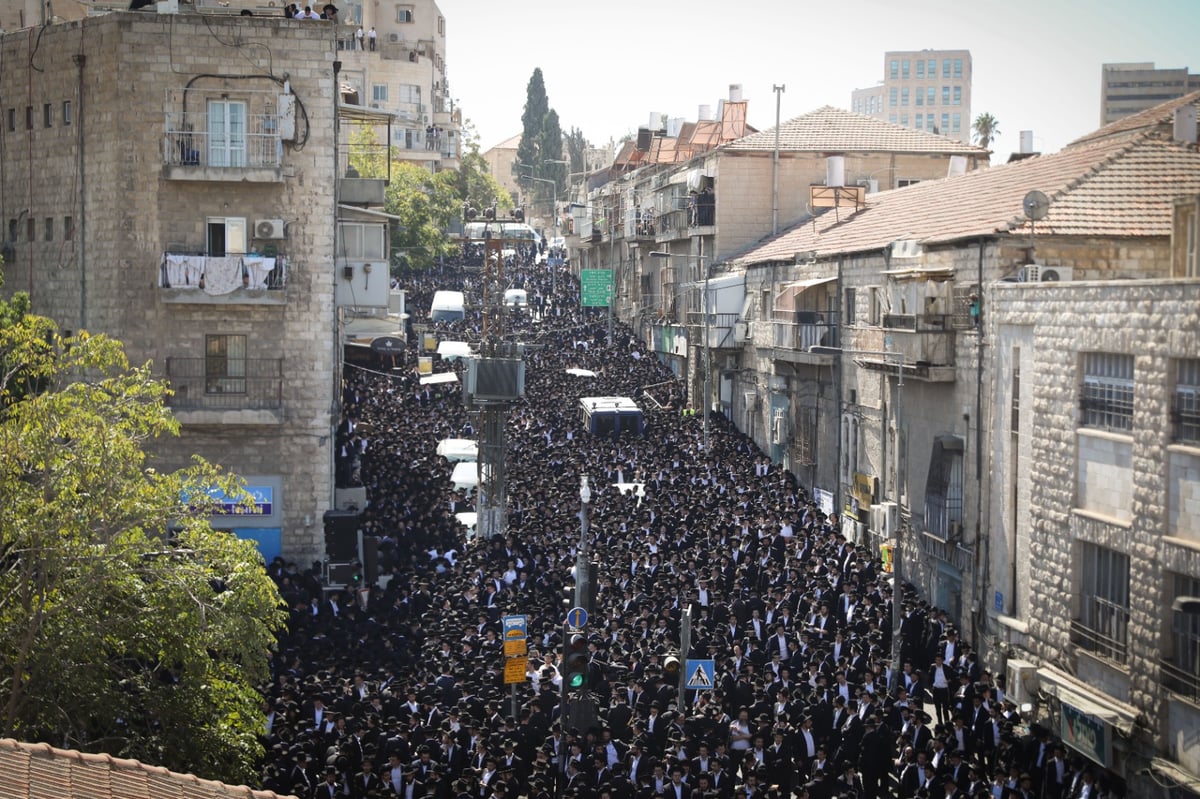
x,y
1181,666
1187,402
1103,624
1106,396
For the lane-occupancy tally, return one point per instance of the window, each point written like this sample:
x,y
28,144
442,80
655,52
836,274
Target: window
x,y
904,69
930,95
1187,403
224,364
379,92
929,123
1014,401
920,95
902,182
921,68
1106,397
404,14
12,119
876,309
31,229
894,69
48,229
851,296
957,122
958,73
66,112
945,95
892,118
932,69
958,95
893,96
920,122
226,133
946,67
28,117
68,228
1103,624
12,230
47,115
1182,665
360,241
904,119
410,93
904,96
441,26
945,123
226,236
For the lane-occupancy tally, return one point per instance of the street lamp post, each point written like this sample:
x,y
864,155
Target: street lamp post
x,y
898,358
705,263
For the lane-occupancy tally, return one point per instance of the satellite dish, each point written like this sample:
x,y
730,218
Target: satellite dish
x,y
1036,205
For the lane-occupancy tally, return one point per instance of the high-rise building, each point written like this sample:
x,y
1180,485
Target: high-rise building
x,y
927,90
1128,88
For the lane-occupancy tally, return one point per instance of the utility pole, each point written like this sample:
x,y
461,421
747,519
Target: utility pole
x,y
779,90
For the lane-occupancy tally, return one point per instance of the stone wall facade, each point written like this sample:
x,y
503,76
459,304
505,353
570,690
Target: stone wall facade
x,y
106,170
1112,489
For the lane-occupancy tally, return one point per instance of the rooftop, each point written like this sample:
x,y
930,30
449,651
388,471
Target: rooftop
x,y
833,130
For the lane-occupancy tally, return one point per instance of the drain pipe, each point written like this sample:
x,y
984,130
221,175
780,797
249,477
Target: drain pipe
x,y
81,61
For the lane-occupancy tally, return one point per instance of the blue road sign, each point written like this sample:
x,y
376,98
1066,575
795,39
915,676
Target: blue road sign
x,y
515,628
577,618
700,674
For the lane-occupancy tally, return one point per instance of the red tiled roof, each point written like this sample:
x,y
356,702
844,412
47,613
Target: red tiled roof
x,y
1113,186
1160,114
830,129
28,769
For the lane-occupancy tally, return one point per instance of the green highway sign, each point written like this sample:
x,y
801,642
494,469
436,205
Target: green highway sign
x,y
595,287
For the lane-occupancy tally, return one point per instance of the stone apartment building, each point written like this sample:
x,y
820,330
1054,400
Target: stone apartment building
x,y
1016,406
709,194
170,180
927,90
1127,88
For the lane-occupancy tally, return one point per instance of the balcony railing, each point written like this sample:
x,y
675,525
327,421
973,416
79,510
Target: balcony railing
x,y
226,383
1103,630
194,139
1181,681
217,276
918,323
803,337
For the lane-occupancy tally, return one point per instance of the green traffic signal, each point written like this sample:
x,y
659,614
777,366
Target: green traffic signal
x,y
575,681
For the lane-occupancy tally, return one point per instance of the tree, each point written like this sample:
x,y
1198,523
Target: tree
x,y
577,147
532,119
367,157
116,635
986,127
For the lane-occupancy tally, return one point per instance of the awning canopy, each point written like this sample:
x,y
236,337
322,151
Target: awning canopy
x,y
441,377
458,449
1084,699
928,273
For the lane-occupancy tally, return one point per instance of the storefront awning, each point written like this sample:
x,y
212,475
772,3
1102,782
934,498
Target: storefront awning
x,y
1086,700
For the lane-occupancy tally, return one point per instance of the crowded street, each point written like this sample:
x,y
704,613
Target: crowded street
x,y
396,688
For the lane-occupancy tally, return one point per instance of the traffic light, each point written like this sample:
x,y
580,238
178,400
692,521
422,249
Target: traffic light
x,y
575,663
519,214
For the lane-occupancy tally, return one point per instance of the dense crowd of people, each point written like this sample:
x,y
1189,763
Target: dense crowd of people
x,y
397,689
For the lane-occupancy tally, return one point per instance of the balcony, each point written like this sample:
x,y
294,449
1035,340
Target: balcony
x,y
1181,681
363,171
209,136
721,330
226,390
1103,630
229,280
928,349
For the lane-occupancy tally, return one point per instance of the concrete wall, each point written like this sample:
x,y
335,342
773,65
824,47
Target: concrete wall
x,y
126,213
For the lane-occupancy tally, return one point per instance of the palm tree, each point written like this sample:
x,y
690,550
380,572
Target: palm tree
x,y
986,128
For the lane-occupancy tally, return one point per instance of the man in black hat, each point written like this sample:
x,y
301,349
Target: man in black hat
x,y
875,756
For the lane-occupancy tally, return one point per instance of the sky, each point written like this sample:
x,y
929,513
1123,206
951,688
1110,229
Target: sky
x,y
608,65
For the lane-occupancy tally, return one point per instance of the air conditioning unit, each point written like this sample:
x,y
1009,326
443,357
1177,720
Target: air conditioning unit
x,y
1039,273
885,519
268,229
393,37
1021,676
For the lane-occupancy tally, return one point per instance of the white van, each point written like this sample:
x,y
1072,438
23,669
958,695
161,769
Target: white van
x,y
516,298
447,306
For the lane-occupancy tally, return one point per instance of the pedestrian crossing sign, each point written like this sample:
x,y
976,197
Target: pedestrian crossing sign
x,y
700,674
